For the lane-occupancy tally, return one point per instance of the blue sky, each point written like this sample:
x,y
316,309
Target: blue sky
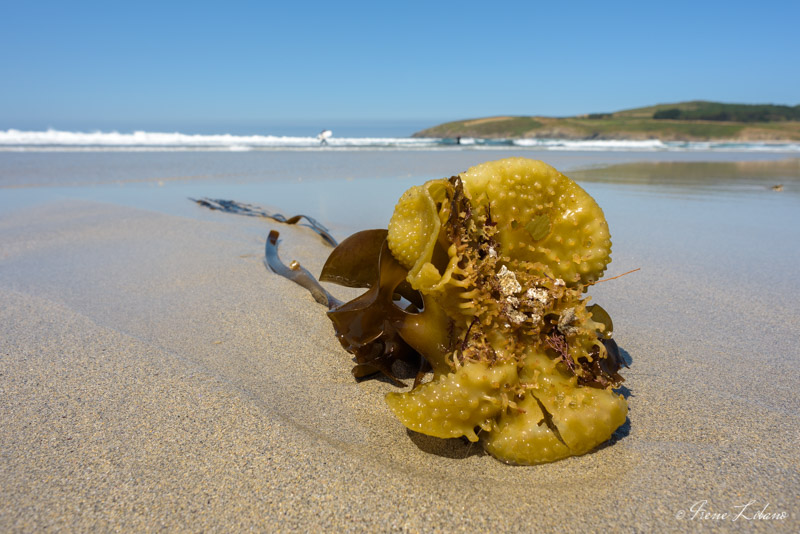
x,y
425,61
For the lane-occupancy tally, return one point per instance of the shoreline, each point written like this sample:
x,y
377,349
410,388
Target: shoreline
x,y
701,121
565,136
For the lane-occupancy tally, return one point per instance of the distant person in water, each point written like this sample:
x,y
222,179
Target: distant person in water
x,y
323,136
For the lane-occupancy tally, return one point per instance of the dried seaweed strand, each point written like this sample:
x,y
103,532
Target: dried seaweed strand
x,y
547,419
250,210
296,273
614,277
559,344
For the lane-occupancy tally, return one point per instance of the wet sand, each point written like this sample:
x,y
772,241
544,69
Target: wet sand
x,y
154,375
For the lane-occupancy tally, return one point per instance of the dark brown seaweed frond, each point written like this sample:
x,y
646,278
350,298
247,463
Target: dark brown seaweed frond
x,y
354,262
377,327
369,325
361,327
250,210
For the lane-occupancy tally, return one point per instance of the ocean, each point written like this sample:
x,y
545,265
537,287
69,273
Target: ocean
x,y
353,177
366,135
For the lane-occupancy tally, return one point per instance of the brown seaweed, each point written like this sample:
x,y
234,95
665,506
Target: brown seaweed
x,y
250,210
379,328
391,322
387,323
355,262
367,326
480,278
296,273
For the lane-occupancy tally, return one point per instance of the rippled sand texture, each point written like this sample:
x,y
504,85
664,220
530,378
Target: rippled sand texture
x,y
154,375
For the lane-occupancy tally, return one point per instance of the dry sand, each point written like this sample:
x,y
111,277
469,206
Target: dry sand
x,y
154,376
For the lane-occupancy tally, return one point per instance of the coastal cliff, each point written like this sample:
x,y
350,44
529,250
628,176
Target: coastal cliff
x,y
685,121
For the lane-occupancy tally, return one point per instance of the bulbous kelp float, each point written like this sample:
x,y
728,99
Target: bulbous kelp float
x,y
479,281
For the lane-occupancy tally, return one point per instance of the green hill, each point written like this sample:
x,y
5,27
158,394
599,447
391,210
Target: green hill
x,y
684,121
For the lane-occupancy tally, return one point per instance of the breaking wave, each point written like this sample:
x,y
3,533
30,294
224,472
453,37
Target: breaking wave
x,y
58,140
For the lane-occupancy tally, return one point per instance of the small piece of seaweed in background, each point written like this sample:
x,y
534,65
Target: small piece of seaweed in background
x,y
250,210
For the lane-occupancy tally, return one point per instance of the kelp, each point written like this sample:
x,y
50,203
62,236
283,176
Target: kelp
x,y
296,273
480,280
370,325
250,210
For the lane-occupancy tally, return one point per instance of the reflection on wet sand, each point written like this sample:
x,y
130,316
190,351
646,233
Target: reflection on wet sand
x,y
779,176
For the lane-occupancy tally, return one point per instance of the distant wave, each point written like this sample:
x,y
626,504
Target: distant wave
x,y
654,145
57,140
596,144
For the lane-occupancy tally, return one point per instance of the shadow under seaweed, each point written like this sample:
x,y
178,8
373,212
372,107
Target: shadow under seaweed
x,y
457,448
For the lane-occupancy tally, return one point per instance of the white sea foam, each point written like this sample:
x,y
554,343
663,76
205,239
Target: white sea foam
x,y
592,144
140,138
58,140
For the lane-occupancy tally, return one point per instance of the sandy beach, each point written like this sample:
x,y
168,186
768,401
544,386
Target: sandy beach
x,y
155,376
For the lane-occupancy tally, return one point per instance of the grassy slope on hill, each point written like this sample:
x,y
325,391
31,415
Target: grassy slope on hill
x,y
627,124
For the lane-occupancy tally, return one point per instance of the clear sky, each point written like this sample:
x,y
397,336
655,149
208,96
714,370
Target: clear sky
x,y
307,60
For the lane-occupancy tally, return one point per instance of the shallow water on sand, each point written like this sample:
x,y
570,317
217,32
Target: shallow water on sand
x,y
718,212
357,188
715,217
